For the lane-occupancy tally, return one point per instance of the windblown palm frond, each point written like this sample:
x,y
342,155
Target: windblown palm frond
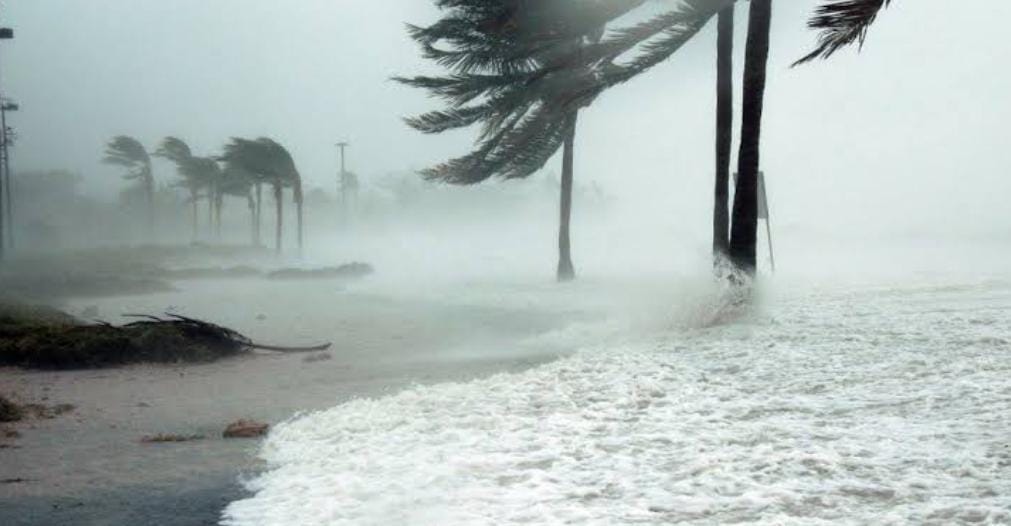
x,y
519,69
842,23
129,153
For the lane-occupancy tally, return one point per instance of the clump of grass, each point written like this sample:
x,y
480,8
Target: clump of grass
x,y
348,270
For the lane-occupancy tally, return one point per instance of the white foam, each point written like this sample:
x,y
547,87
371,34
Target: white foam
x,y
861,406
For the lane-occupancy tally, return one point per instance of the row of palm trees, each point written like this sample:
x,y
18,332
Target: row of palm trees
x,y
523,70
242,170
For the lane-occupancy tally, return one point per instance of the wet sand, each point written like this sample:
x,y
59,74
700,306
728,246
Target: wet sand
x,y
90,466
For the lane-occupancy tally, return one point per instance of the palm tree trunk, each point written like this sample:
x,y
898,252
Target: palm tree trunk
x,y
193,219
251,202
566,271
744,233
299,199
724,132
279,203
149,191
258,215
210,213
219,200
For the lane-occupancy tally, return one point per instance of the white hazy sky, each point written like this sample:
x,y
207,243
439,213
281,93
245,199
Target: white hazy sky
x,y
911,133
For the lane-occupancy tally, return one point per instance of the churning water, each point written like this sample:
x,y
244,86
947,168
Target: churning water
x,y
846,405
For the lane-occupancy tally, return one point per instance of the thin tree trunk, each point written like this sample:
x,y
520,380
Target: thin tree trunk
x,y
299,199
251,203
210,214
258,214
149,190
724,132
279,203
744,232
193,219
566,271
219,201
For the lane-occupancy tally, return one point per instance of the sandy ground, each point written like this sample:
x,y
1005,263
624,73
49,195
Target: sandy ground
x,y
90,466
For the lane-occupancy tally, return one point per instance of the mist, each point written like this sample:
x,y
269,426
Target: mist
x,y
403,350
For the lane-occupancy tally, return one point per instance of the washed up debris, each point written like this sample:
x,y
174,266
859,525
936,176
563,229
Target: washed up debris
x,y
348,270
9,411
47,412
163,438
61,342
245,429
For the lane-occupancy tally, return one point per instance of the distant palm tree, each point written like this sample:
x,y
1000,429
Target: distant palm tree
x,y
271,163
197,174
236,181
744,232
129,153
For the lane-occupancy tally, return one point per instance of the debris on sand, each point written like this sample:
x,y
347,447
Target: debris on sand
x,y
348,270
245,429
47,412
54,340
9,411
163,438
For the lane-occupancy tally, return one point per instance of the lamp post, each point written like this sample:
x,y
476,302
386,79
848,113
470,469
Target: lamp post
x,y
6,33
342,177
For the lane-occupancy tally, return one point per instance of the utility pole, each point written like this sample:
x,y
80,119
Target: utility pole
x,y
342,182
6,33
8,134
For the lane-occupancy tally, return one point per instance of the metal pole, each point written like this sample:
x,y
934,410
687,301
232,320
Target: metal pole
x,y
4,182
342,184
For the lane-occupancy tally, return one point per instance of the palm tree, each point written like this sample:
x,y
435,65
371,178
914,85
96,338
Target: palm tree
x,y
724,132
271,163
235,181
744,232
522,71
197,174
129,153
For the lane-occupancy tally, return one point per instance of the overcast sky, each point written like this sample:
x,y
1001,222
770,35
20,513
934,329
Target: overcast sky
x,y
912,132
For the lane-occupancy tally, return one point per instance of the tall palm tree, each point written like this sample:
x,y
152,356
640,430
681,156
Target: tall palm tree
x,y
271,163
724,132
522,71
744,231
129,153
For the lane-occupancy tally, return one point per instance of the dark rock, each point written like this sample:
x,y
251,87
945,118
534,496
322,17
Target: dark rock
x,y
245,429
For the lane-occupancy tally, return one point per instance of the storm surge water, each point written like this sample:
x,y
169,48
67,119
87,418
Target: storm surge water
x,y
858,404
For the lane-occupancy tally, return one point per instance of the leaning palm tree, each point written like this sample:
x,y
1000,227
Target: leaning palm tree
x,y
196,174
523,71
129,153
271,163
237,182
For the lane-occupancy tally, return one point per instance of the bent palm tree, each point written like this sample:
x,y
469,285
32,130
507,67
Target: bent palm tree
x,y
129,153
196,173
271,163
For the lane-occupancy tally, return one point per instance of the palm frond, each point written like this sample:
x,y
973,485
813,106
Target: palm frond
x,y
842,23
